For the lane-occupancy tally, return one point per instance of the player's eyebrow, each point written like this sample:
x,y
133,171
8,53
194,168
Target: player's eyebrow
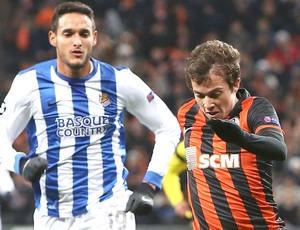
x,y
70,30
210,92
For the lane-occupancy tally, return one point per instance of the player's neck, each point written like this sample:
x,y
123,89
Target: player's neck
x,y
75,72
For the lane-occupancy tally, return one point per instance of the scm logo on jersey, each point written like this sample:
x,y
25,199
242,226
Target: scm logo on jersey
x,y
210,160
219,161
2,108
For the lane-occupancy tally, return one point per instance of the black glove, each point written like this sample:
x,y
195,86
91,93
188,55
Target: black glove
x,y
141,200
33,168
229,131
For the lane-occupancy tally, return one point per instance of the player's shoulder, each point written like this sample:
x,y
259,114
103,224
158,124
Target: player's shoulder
x,y
262,100
104,66
39,67
248,99
187,106
188,103
257,102
121,73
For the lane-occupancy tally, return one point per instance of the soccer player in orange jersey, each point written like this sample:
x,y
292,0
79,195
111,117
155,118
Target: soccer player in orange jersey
x,y
231,139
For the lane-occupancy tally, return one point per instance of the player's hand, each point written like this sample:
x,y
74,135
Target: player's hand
x,y
141,200
33,168
182,209
228,131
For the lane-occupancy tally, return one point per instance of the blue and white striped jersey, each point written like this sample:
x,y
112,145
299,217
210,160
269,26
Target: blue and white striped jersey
x,y
77,125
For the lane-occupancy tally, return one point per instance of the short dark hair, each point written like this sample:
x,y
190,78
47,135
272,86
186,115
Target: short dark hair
x,y
213,56
71,7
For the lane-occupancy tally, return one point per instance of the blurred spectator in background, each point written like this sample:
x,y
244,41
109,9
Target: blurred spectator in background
x,y
282,56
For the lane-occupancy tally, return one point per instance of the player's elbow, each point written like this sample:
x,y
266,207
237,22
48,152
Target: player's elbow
x,y
174,131
282,154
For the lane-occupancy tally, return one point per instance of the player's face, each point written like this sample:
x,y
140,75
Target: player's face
x,y
74,41
215,98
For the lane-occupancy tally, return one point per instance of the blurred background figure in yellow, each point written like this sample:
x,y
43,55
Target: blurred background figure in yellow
x,y
173,187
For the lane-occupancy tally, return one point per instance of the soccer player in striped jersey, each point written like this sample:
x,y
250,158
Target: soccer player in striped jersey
x,y
231,140
72,108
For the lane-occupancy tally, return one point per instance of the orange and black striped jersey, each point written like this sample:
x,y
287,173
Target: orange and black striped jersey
x,y
229,187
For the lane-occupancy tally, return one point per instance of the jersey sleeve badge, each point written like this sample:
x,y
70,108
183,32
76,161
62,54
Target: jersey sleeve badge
x,y
2,108
150,96
271,119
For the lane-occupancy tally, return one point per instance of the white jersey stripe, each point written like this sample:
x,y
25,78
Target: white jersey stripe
x,y
67,143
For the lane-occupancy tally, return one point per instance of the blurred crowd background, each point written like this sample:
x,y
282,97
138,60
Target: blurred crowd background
x,y
154,39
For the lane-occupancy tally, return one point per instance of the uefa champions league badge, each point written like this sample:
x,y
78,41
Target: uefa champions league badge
x,y
271,119
104,99
150,96
2,108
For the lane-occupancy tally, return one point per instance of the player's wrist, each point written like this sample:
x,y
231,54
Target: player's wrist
x,y
33,168
150,184
22,164
146,188
140,201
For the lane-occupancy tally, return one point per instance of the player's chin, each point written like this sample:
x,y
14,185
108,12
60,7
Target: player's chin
x,y
77,63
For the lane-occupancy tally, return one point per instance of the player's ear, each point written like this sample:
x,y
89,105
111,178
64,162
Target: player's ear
x,y
95,37
236,85
52,38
